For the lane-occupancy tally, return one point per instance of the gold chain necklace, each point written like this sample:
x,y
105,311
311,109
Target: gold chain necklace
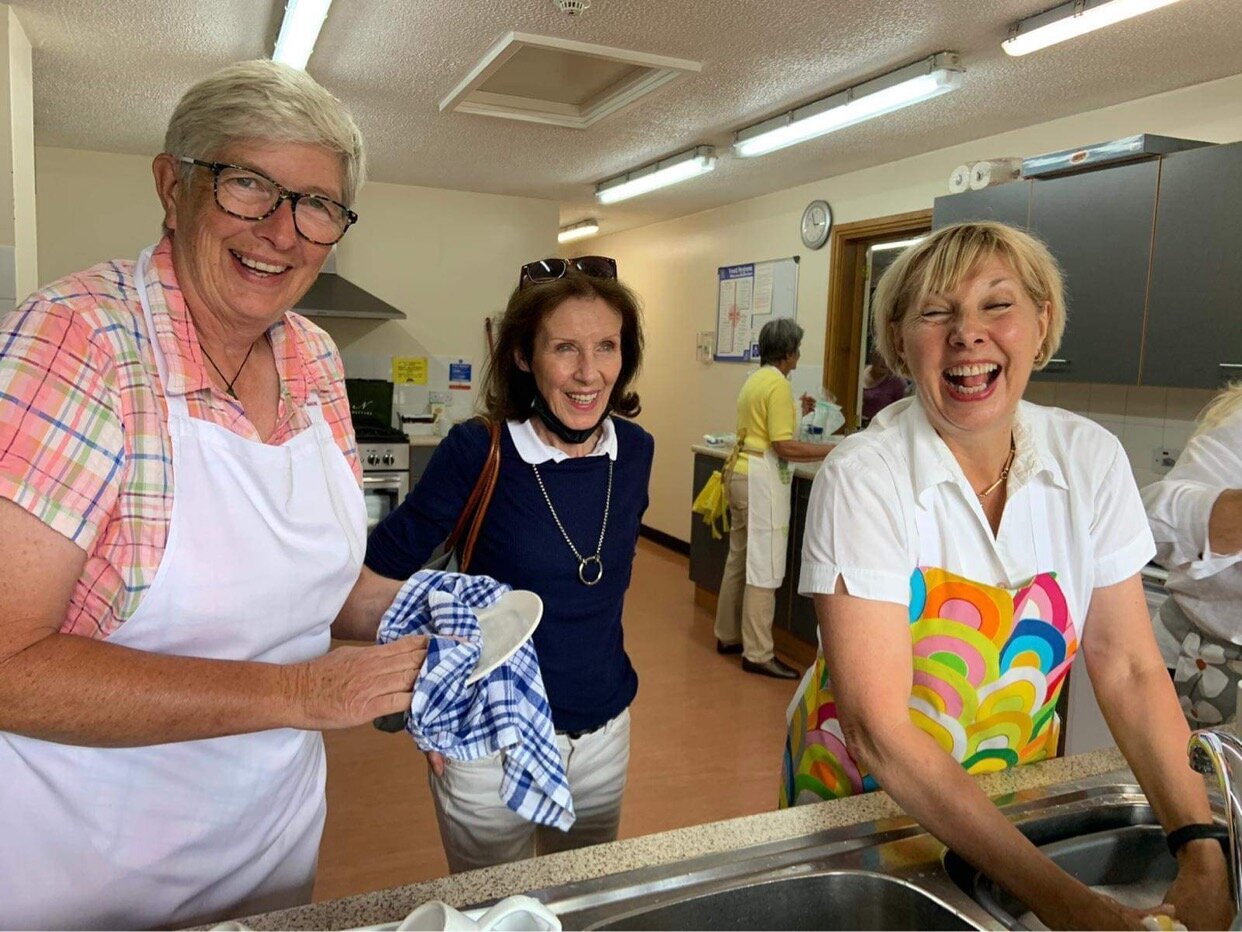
x,y
1004,474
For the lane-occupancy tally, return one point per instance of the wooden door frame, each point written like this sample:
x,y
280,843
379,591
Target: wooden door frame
x,y
847,279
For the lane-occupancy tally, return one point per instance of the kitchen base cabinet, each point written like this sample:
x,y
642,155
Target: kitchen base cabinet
x,y
707,554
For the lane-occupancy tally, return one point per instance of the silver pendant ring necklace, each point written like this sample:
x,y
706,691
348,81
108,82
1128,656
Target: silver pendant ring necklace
x,y
583,562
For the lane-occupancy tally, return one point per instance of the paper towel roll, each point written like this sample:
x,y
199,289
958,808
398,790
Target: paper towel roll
x,y
993,171
959,179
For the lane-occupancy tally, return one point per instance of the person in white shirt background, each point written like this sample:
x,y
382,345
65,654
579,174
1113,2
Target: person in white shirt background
x,y
959,551
1196,516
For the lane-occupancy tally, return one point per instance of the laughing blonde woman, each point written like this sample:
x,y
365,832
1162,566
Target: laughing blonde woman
x,y
960,551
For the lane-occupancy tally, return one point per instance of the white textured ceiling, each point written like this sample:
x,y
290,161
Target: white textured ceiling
x,y
107,74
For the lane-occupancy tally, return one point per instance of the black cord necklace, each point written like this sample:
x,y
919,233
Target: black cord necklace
x,y
228,383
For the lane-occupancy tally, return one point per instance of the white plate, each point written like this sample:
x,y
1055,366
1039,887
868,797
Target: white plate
x,y
505,627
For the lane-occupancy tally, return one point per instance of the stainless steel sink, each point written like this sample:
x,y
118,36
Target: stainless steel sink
x,y
886,875
1121,847
834,900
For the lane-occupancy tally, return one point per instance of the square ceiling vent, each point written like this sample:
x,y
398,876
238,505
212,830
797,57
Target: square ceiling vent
x,y
541,79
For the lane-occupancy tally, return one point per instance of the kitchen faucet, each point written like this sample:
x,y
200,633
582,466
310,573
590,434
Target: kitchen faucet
x,y
1215,750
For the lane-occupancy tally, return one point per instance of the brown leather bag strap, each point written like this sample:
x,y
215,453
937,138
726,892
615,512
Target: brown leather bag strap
x,y
471,503
491,473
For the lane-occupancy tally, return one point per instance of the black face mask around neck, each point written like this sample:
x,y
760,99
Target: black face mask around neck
x,y
557,426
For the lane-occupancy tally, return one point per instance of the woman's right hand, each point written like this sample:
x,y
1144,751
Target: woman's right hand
x,y
354,685
1089,909
435,760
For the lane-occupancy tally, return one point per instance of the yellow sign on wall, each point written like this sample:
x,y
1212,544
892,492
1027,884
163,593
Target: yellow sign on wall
x,y
409,370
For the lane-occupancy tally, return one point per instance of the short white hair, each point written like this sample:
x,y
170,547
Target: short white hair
x,y
265,101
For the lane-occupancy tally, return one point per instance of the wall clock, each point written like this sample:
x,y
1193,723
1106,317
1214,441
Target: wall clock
x,y
816,224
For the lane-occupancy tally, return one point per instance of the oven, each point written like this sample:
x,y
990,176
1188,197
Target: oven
x,y
385,478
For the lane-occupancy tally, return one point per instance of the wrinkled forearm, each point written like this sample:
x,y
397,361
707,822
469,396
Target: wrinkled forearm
x,y
75,690
371,597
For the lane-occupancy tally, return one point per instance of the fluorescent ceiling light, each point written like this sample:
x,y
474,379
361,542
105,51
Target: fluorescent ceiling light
x,y
897,244
924,80
1073,19
659,174
577,231
299,30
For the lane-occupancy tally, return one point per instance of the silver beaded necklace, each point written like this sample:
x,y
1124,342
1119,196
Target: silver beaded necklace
x,y
583,562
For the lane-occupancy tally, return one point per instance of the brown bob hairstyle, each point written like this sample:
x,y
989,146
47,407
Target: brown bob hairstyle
x,y
509,392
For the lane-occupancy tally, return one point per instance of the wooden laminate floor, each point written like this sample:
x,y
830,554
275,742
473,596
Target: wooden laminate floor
x,y
706,745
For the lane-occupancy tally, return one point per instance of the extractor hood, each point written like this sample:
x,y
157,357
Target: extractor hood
x,y
333,296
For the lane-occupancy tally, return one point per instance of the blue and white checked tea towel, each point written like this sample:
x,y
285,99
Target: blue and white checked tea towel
x,y
505,711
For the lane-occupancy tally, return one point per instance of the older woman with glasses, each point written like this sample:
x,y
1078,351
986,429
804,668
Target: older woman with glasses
x,y
563,521
182,524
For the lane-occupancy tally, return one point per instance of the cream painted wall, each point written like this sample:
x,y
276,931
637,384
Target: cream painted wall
x,y
92,206
673,264
447,258
21,116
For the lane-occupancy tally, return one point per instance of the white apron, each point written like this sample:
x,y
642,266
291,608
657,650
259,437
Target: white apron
x,y
769,486
264,546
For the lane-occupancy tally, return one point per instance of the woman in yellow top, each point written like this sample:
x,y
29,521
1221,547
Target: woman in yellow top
x,y
759,493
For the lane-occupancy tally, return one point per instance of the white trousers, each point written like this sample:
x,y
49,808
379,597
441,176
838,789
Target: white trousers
x,y
478,830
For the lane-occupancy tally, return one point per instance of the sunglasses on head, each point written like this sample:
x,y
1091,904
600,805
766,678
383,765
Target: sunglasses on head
x,y
549,270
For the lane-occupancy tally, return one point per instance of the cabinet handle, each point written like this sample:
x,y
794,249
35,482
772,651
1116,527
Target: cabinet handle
x,y
1056,361
1231,365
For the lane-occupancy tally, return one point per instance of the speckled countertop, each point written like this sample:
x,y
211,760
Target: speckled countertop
x,y
805,470
492,883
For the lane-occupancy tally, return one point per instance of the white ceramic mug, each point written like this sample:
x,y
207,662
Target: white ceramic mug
x,y
520,914
437,915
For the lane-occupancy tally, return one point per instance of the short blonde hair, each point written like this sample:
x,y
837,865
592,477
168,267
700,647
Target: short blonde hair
x,y
939,262
268,102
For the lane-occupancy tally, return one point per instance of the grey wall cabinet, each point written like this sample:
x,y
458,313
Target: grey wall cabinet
x,y
1194,309
1004,203
1151,255
1098,225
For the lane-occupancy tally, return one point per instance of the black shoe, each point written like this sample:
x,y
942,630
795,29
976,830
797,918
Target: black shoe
x,y
723,648
773,667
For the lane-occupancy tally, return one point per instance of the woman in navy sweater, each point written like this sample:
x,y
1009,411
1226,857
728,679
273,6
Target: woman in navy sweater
x,y
563,522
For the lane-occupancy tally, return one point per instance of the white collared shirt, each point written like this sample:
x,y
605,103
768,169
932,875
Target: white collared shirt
x,y
532,448
1071,498
1207,586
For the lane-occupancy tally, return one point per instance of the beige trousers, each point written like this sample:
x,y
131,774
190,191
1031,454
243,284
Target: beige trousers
x,y
479,830
743,613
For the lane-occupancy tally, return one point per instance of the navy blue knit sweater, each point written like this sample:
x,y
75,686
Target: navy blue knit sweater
x,y
579,641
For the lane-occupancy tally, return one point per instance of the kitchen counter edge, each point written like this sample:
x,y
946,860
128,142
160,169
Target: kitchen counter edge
x,y
493,883
804,470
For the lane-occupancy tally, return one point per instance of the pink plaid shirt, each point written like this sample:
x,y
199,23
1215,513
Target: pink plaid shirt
x,y
84,442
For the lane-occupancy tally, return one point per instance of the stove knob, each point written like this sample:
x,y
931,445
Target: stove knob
x,y
372,459
389,459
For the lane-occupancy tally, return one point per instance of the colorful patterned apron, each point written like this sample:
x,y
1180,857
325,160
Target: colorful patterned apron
x,y
989,664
